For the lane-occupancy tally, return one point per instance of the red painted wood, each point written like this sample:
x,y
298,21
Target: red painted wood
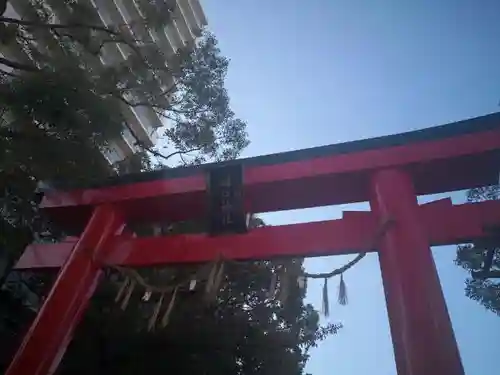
x,y
315,239
441,165
446,224
50,333
421,329
423,338
443,223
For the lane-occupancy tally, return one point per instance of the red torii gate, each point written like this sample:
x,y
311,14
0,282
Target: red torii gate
x,y
389,172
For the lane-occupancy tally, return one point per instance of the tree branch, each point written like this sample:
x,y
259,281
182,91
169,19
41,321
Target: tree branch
x,y
148,104
7,133
157,153
153,107
482,275
488,260
182,159
18,65
183,152
166,157
4,72
53,26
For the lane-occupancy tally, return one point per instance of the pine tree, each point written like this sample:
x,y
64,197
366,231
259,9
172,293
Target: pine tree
x,y
484,284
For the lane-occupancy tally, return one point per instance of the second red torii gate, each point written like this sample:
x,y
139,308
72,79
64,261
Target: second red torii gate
x,y
389,172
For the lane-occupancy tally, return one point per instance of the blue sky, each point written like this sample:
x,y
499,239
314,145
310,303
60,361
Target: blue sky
x,y
309,73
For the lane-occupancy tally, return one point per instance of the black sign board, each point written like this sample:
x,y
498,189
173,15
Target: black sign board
x,y
225,194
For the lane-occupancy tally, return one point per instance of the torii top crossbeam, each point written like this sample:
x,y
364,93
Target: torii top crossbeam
x,y
389,172
444,158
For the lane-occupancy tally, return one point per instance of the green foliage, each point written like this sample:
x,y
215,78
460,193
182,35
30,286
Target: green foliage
x,y
472,256
200,105
157,12
243,332
185,90
60,106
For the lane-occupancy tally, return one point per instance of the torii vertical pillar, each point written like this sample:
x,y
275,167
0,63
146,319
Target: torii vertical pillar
x,y
49,335
423,338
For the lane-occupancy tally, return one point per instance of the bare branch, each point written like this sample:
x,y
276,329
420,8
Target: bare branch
x,y
147,103
482,275
18,65
22,136
53,26
122,99
166,157
183,152
157,153
163,115
4,72
116,35
182,159
153,107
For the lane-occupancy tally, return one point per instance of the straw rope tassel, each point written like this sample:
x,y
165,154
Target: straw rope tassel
x,y
271,292
284,288
147,295
216,284
342,291
123,286
192,285
156,312
168,312
218,278
301,282
211,277
128,295
326,305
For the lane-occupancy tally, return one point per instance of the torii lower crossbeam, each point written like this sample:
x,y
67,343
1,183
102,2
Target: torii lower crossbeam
x,y
389,172
443,223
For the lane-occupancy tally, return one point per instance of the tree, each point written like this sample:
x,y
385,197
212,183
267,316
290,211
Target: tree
x,y
185,88
482,260
241,328
241,331
60,107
